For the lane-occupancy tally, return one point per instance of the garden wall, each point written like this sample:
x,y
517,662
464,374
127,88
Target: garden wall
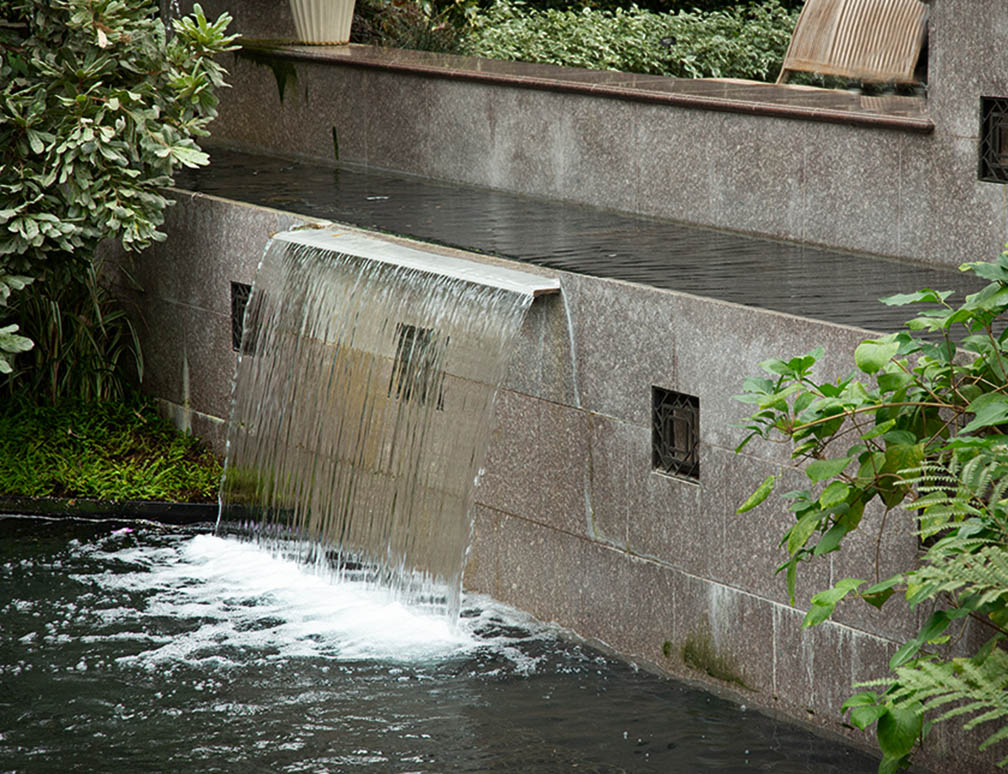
x,y
892,176
571,522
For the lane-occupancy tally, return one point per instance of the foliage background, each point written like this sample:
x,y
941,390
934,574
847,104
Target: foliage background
x,y
98,107
119,450
737,43
701,39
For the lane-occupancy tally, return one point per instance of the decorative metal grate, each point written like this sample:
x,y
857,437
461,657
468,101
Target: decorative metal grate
x,y
994,139
416,373
675,433
240,293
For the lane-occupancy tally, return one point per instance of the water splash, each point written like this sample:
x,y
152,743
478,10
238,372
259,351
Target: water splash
x,y
361,416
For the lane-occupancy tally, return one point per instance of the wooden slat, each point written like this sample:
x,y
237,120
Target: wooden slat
x,y
870,40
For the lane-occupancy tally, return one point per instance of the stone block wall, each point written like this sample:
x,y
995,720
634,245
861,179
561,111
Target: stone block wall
x,y
571,522
184,308
865,188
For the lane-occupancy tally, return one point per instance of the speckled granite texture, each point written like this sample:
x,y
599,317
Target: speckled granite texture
x,y
571,522
886,175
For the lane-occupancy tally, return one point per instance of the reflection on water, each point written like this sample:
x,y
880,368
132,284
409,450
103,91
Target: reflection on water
x,y
156,650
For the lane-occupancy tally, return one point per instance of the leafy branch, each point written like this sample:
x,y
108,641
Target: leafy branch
x,y
98,108
924,432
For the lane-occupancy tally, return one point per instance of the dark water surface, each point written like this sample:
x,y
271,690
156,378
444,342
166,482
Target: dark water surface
x,y
821,284
168,650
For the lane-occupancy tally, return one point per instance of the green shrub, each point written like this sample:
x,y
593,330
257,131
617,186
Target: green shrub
x,y
925,438
749,42
87,346
658,6
422,26
97,109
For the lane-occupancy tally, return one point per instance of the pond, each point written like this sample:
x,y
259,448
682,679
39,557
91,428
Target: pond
x,y
145,647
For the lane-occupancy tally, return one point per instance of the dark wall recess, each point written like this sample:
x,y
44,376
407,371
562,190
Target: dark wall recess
x,y
240,293
675,433
417,374
994,139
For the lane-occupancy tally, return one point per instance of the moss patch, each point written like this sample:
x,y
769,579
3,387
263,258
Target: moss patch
x,y
700,653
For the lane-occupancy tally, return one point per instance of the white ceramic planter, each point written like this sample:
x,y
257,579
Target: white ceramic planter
x,y
322,22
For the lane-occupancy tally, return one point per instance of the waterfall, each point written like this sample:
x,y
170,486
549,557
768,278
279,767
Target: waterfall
x,y
362,404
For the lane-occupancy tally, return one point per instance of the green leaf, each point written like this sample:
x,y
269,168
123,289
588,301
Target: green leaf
x,y
933,628
862,717
834,494
825,602
762,492
802,531
878,594
986,269
990,409
817,614
893,380
831,540
803,401
9,342
927,295
898,457
890,765
863,699
35,141
189,156
871,354
898,730
795,367
879,429
871,465
900,438
822,470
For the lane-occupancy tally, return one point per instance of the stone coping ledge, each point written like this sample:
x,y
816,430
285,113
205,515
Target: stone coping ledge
x,y
126,510
797,102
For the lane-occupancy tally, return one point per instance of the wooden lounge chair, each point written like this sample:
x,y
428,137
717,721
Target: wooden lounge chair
x,y
876,41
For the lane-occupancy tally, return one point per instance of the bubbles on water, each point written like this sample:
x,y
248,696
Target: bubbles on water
x,y
219,603
218,655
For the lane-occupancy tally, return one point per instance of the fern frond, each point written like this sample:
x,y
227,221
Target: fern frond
x,y
995,738
961,567
978,686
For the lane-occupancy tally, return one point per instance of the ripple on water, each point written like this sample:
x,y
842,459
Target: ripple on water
x,y
170,650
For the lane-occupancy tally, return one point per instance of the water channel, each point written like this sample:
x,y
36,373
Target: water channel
x,y
148,648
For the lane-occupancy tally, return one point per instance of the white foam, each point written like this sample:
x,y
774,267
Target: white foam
x,y
244,601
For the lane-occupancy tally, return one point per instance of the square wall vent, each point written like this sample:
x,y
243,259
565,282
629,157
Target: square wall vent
x,y
417,375
240,293
994,139
675,433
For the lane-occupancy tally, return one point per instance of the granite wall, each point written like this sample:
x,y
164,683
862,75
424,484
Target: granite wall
x,y
571,522
877,189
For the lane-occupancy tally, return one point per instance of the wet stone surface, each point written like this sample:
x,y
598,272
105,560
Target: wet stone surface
x,y
811,282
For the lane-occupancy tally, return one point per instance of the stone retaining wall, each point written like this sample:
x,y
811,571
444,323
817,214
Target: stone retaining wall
x,y
778,162
572,523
